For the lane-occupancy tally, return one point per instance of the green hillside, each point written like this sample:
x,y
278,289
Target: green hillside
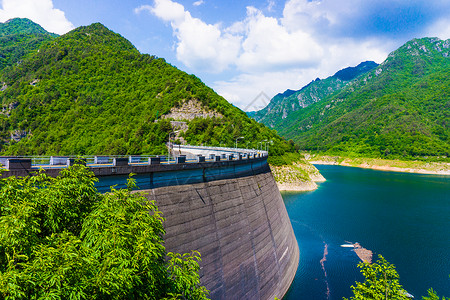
x,y
18,37
282,105
90,91
401,109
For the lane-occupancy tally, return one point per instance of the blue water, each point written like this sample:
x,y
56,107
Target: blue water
x,y
404,217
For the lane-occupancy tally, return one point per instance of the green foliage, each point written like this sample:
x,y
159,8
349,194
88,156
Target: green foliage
x,y
282,105
432,295
398,111
381,282
286,159
90,91
19,37
61,239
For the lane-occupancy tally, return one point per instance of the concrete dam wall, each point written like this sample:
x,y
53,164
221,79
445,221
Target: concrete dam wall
x,y
242,230
231,211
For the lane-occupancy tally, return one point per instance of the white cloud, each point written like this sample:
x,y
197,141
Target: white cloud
x,y
200,46
258,43
204,47
267,45
242,89
440,29
143,8
304,15
313,38
270,5
39,11
169,11
248,91
198,3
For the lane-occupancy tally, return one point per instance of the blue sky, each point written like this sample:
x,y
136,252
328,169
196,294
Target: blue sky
x,y
243,48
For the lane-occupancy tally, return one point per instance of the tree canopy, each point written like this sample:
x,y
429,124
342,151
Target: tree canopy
x,y
91,91
61,239
400,109
382,282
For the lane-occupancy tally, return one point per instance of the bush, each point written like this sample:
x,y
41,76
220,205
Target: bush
x,y
61,239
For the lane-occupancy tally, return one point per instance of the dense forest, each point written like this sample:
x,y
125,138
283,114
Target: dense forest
x,y
19,37
399,110
284,104
91,91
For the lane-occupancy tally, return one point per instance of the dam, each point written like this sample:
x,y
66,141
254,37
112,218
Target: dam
x,y
230,210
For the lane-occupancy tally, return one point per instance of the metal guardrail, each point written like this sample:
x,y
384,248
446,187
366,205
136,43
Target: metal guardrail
x,y
227,149
150,170
116,160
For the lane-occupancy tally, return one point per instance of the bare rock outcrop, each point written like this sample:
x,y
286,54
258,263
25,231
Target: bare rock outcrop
x,y
189,110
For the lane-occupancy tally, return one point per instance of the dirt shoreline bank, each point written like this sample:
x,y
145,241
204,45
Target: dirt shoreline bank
x,y
433,168
298,177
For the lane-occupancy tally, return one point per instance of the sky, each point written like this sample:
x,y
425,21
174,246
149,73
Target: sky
x,y
248,51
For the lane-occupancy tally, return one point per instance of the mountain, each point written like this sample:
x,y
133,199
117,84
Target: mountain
x,y
400,109
290,101
18,37
91,91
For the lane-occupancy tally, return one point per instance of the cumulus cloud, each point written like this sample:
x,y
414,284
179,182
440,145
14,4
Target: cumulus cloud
x,y
244,90
39,11
440,28
257,43
200,46
267,45
312,38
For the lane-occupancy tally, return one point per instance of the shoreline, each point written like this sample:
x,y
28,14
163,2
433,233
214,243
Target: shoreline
x,y
298,177
416,167
297,187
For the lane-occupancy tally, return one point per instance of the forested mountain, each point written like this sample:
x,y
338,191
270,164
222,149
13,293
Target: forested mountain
x,y
19,37
90,91
401,109
282,105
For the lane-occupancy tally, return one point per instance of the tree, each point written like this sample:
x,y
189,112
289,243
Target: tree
x,y
61,239
381,282
432,295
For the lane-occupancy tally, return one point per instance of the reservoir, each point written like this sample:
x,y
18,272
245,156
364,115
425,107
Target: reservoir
x,y
404,217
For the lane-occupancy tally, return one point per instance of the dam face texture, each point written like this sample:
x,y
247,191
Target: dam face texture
x,y
242,230
230,211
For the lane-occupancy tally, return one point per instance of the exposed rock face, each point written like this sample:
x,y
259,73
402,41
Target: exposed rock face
x,y
6,110
297,177
17,135
189,110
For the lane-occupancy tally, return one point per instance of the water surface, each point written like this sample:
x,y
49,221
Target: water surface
x,y
404,217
